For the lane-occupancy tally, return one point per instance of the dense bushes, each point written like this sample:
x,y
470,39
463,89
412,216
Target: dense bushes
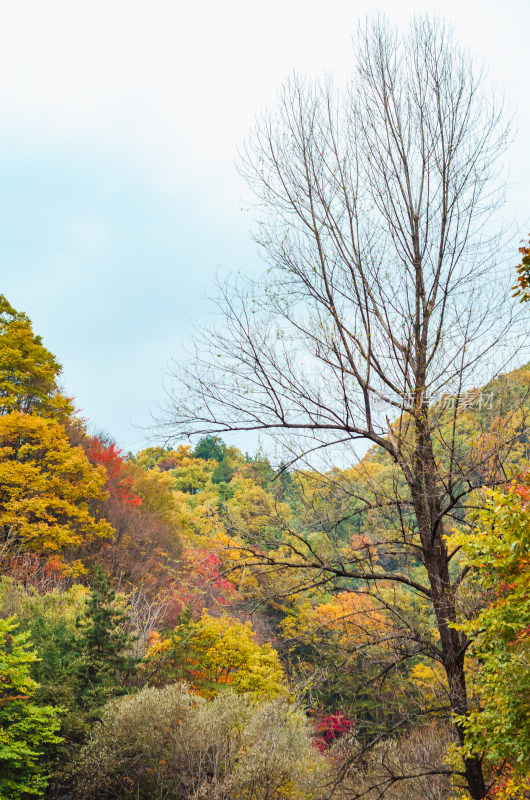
x,y
170,743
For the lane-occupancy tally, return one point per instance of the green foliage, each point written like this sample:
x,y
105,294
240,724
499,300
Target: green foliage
x,y
61,667
105,662
25,725
149,457
499,554
210,448
229,459
27,603
201,522
50,620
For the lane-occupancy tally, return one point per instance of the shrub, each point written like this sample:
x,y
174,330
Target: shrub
x,y
173,744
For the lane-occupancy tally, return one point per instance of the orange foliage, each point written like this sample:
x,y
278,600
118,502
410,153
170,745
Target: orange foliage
x,y
356,617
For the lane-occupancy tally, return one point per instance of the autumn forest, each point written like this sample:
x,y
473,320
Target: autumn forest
x,y
341,611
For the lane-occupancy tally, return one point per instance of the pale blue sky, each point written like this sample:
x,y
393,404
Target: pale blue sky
x,y
112,270
119,200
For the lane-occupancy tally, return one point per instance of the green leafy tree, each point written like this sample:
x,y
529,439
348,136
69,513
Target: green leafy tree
x,y
211,448
104,662
499,555
50,621
25,725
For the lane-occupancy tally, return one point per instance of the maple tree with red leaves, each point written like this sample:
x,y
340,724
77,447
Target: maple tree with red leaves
x,y
120,484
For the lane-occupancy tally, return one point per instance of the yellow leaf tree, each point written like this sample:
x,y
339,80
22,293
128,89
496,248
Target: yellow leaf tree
x,y
28,371
48,489
213,652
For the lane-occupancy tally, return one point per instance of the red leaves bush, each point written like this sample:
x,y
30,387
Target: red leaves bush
x,y
330,728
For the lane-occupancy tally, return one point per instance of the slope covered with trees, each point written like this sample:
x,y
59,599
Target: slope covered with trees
x,y
192,621
200,588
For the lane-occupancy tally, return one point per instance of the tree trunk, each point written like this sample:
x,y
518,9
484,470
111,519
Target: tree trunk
x,y
436,559
453,652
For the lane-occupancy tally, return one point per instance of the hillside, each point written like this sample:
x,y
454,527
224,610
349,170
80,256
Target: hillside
x,y
189,620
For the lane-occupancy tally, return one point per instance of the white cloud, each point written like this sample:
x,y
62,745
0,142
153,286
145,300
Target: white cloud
x,y
178,83
170,87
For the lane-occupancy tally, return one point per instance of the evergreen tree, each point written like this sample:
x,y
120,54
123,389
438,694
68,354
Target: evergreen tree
x,y
211,448
105,661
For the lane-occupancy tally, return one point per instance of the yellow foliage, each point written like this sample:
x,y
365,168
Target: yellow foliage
x,y
231,655
220,651
199,517
47,487
512,786
193,475
27,603
28,371
430,681
252,510
156,490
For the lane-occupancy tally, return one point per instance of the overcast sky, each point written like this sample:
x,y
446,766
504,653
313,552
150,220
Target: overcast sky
x,y
119,200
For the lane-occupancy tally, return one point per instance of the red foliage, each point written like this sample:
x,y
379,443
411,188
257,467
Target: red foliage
x,y
32,569
120,484
524,492
331,728
503,775
207,566
199,585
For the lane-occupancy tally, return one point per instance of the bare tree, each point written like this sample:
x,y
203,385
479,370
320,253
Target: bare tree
x,y
385,303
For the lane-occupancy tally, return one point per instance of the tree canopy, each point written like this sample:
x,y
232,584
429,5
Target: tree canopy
x,y
28,371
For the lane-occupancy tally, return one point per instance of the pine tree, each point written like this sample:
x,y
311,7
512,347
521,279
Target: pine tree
x,y
105,661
